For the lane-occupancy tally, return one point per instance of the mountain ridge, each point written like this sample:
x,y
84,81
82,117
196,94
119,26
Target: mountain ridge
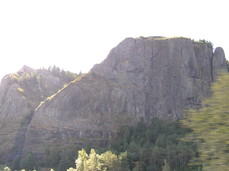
x,y
20,94
140,78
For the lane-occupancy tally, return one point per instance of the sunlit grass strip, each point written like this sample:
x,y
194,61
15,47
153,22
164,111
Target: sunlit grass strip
x,y
65,86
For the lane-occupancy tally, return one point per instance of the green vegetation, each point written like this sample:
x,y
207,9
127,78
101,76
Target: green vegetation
x,y
66,85
59,158
28,162
203,41
20,90
54,157
106,161
162,38
146,147
68,76
155,146
168,38
36,75
210,125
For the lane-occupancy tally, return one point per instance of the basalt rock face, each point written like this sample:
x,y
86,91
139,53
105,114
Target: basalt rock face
x,y
140,78
219,62
20,94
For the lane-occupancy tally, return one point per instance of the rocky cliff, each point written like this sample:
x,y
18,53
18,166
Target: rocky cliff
x,y
20,94
144,77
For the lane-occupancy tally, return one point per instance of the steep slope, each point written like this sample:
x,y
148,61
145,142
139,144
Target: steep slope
x,y
20,94
146,77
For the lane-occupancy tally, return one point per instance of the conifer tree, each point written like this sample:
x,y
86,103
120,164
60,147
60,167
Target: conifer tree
x,y
81,160
92,162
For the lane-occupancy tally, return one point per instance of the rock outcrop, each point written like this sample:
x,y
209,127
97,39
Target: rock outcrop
x,y
20,94
146,77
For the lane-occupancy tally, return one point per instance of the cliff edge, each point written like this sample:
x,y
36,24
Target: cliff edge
x,y
140,78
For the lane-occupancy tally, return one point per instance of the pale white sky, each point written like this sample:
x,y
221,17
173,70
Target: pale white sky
x,y
76,34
